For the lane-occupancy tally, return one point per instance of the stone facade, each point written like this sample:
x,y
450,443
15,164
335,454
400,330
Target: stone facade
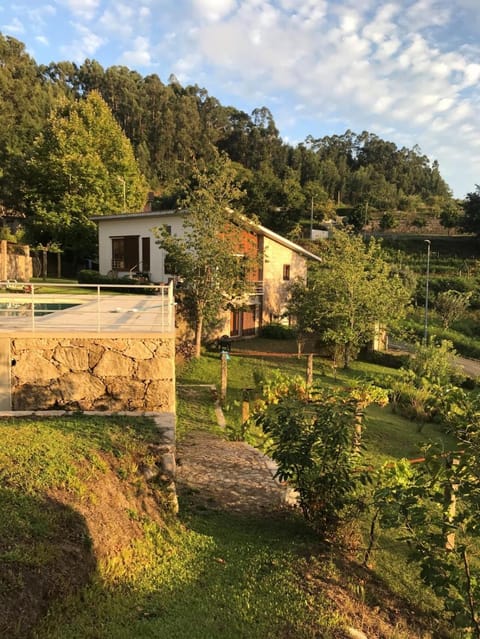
x,y
101,374
15,262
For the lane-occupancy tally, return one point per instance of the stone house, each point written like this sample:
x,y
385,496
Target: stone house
x,y
127,245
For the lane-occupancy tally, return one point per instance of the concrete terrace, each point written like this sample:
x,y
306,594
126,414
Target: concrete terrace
x,y
126,314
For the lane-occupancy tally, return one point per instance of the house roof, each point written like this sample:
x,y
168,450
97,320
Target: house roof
x,y
256,227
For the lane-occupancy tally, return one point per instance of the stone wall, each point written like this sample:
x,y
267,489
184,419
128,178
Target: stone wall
x,y
15,262
116,374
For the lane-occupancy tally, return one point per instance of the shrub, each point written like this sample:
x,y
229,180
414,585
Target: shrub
x,y
312,443
277,331
390,360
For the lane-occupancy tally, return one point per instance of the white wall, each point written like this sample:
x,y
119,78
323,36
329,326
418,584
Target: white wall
x,y
142,226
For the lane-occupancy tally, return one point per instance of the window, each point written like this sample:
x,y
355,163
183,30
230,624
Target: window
x,y
125,253
286,272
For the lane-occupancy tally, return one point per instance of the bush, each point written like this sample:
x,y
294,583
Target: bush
x,y
277,331
390,360
312,443
87,276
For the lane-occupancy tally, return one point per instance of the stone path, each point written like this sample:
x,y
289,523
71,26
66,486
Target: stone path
x,y
226,475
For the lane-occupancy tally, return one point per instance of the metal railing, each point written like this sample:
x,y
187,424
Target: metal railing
x,y
44,307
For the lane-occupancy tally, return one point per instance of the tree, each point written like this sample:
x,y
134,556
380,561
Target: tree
x,y
471,208
24,107
352,290
314,439
450,215
209,258
451,305
81,165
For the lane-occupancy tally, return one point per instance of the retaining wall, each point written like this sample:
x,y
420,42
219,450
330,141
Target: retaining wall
x,y
98,373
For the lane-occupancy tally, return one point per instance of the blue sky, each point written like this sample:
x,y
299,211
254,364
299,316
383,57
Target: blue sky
x,y
407,70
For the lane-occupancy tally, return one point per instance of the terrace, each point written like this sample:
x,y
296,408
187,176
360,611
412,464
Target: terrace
x,y
91,308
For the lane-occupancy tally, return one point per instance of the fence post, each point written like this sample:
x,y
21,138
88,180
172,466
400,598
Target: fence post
x,y
245,405
32,298
309,369
224,372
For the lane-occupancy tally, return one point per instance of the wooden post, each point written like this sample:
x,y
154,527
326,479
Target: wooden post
x,y
245,405
309,369
224,367
450,503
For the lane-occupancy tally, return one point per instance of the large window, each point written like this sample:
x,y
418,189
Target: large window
x,y
125,253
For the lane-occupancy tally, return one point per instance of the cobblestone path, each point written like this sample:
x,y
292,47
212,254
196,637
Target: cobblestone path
x,y
226,475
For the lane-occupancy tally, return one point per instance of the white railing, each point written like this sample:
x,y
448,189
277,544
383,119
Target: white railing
x,y
126,308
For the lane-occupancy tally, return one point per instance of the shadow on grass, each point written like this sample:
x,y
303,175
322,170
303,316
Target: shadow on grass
x,y
45,554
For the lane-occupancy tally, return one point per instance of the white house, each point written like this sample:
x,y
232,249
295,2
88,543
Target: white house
x,y
127,246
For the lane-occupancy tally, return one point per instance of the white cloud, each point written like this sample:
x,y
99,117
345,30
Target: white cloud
x,y
15,27
139,55
213,9
84,47
85,9
42,40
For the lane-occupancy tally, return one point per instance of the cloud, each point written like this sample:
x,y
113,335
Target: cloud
x,y
139,55
15,26
84,47
85,9
122,20
213,9
388,65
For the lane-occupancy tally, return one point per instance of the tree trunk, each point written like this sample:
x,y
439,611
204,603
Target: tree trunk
x,y
198,336
44,265
59,265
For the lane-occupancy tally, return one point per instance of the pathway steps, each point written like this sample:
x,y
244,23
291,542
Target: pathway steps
x,y
231,476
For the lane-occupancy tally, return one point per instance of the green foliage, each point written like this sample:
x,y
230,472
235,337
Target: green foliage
x,y
451,306
79,167
471,208
434,362
212,277
277,331
352,290
441,537
428,389
314,437
312,444
171,128
388,221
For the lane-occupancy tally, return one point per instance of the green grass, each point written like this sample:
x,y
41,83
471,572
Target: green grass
x,y
206,575
222,576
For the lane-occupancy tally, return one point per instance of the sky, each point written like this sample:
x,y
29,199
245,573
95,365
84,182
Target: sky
x,y
406,70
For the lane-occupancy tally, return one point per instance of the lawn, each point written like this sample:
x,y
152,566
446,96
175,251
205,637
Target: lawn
x,y
74,486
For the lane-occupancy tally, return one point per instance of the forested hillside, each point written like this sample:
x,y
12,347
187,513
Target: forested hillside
x,y
47,163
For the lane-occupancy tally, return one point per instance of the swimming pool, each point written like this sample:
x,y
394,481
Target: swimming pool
x,y
22,309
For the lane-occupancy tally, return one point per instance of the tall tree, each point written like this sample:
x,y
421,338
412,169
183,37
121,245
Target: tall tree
x,y
352,291
471,207
24,106
206,256
81,165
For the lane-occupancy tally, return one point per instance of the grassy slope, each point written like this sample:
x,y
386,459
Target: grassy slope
x,y
205,576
